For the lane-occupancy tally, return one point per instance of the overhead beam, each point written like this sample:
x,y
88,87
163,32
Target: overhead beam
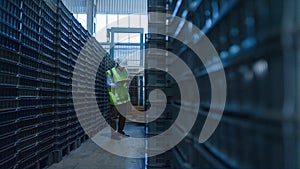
x,y
126,30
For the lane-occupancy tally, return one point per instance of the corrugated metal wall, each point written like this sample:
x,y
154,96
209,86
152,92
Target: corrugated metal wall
x,y
109,6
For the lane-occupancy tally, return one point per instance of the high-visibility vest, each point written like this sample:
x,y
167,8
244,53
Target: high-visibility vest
x,y
119,95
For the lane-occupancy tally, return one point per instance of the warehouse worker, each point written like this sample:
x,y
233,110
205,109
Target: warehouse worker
x,y
118,82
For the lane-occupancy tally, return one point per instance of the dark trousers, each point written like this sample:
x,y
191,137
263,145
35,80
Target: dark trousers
x,y
114,115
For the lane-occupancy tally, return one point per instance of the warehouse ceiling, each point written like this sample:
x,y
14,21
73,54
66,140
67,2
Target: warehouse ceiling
x,y
109,6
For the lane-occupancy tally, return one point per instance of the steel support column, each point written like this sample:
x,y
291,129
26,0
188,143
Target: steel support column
x,y
90,16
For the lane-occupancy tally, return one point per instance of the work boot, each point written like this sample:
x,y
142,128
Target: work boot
x,y
115,136
123,134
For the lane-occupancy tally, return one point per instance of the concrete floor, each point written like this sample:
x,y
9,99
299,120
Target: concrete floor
x,y
90,155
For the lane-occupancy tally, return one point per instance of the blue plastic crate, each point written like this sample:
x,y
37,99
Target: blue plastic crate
x,y
30,54
14,92
8,67
62,145
64,55
47,57
47,68
73,123
60,76
76,48
63,91
8,140
64,12
75,34
65,37
47,101
61,129
63,105
63,63
64,27
30,162
76,40
31,32
46,126
10,15
8,104
8,128
27,92
62,112
46,109
49,94
80,132
9,55
28,102
11,6
48,26
47,141
25,81
9,31
27,157
27,71
65,73
27,132
79,29
28,61
48,15
47,76
47,134
47,63
9,163
61,133
31,11
66,101
27,112
47,88
74,55
73,137
34,6
48,41
47,51
7,153
29,43
62,94
9,43
27,122
45,152
46,146
25,142
30,23
8,116
83,40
